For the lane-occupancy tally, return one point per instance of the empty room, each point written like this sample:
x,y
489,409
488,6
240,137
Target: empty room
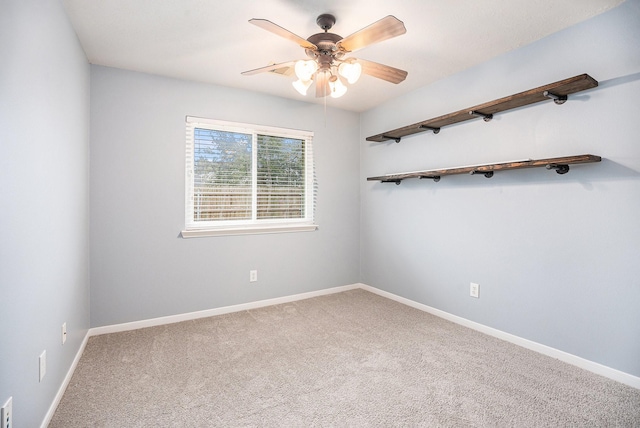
x,y
319,213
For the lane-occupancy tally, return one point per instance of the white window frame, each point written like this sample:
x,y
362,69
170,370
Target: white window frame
x,y
254,226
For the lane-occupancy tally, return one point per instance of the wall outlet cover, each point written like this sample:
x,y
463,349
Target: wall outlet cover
x,y
474,290
7,414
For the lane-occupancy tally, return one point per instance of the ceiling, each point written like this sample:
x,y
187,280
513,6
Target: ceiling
x,y
211,41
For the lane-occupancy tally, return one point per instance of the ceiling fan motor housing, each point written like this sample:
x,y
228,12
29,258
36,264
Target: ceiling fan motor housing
x,y
326,43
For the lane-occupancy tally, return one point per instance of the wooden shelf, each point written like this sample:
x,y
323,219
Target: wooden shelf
x,y
560,165
557,91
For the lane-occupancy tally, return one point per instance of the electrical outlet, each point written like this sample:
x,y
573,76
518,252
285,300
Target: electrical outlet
x,y
253,276
7,414
64,332
43,364
474,290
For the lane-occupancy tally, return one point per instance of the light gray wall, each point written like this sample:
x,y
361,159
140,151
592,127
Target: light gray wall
x,y
556,256
44,141
140,267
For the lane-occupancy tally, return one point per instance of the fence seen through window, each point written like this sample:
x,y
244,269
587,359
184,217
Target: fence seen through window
x,y
231,182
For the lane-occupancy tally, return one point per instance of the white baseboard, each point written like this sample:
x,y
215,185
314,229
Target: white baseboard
x,y
65,383
591,366
596,368
217,311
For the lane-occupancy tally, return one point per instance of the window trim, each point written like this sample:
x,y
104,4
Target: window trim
x,y
245,227
201,233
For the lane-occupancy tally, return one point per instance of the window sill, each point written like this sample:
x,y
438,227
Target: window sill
x,y
201,233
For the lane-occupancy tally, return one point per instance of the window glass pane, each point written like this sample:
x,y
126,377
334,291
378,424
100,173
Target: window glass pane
x,y
281,177
222,175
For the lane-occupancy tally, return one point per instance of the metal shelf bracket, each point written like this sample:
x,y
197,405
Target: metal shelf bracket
x,y
430,128
396,139
487,174
558,99
560,169
485,117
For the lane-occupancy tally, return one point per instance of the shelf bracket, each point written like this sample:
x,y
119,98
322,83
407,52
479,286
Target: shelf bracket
x,y
558,99
435,178
485,117
430,128
389,137
396,180
487,174
560,169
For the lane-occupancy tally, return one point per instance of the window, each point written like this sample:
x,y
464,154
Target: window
x,y
247,179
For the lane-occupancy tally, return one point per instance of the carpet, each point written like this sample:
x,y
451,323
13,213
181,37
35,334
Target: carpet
x,y
346,359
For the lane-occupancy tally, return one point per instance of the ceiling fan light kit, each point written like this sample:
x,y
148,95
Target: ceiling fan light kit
x,y
326,52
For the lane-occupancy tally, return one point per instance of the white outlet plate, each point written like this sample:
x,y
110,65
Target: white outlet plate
x,y
43,364
7,414
64,332
474,290
253,276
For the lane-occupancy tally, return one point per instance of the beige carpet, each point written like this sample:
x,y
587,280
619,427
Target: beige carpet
x,y
347,359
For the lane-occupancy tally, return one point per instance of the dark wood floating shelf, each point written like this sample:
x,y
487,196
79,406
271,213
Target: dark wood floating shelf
x,y
558,92
560,165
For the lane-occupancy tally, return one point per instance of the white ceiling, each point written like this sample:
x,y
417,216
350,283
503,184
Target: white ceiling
x,y
211,40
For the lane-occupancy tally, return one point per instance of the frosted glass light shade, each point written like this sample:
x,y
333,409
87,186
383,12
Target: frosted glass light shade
x,y
350,71
337,88
305,69
302,86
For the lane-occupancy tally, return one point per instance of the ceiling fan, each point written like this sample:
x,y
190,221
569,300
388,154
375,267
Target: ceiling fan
x,y
327,56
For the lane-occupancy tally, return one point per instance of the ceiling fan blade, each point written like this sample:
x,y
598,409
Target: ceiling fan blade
x,y
384,29
282,32
381,71
272,67
322,84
